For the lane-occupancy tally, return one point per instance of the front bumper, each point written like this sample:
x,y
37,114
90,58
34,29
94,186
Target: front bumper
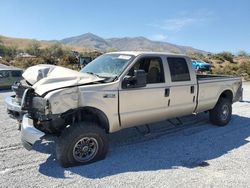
x,y
13,108
29,134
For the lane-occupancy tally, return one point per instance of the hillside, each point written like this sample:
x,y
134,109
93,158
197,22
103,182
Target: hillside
x,y
89,42
60,52
95,42
21,43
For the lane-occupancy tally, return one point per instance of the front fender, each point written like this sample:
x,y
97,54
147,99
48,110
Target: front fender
x,y
63,100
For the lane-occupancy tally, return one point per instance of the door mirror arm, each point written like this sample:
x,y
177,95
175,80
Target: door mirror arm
x,y
138,80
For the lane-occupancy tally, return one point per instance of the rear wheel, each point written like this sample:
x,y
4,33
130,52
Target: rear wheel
x,y
80,144
221,114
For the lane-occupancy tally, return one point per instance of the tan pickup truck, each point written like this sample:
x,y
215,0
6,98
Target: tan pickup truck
x,y
115,91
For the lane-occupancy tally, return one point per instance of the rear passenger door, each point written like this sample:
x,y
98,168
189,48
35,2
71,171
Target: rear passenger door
x,y
182,87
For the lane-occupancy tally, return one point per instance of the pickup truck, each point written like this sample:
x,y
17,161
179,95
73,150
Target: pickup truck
x,y
115,91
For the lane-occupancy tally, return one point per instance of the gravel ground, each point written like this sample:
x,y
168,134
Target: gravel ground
x,y
195,154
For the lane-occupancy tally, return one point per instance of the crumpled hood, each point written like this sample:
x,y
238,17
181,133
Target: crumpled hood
x,y
44,78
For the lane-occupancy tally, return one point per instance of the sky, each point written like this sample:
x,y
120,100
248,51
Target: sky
x,y
212,25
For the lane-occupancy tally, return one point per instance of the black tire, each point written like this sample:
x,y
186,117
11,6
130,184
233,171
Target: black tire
x,y
222,112
79,140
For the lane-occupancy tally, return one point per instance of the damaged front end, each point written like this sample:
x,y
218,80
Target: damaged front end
x,y
44,100
13,103
38,119
39,110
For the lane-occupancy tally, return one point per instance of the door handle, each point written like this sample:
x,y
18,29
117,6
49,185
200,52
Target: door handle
x,y
167,92
192,89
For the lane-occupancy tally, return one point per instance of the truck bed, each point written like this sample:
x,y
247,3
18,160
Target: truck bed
x,y
207,77
211,86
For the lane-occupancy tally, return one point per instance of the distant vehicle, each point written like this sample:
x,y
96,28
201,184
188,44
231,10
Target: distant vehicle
x,y
84,61
1,57
25,55
9,75
200,65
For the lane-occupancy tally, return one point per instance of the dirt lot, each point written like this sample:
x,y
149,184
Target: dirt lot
x,y
195,154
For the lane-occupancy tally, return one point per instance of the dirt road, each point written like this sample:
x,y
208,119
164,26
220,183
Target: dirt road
x,y
196,154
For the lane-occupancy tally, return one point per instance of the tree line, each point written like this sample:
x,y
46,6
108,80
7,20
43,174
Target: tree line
x,y
55,54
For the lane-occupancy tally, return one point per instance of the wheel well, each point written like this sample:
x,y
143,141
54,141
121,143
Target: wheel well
x,y
227,95
87,114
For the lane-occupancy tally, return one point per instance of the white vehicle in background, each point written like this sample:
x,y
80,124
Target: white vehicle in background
x,y
9,75
115,91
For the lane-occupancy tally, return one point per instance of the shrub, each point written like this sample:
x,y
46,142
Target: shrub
x,y
228,56
69,61
34,48
224,56
228,69
27,62
243,53
242,69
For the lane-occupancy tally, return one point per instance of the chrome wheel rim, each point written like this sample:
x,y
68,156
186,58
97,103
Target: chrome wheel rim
x,y
85,149
225,112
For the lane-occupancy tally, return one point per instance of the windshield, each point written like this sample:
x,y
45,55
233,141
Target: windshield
x,y
108,66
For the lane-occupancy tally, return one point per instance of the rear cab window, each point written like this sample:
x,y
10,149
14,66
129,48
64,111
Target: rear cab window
x,y
178,69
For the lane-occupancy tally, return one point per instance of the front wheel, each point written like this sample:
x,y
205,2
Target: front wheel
x,y
81,144
222,112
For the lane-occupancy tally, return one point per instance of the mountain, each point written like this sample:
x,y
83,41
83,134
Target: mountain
x,y
95,42
89,41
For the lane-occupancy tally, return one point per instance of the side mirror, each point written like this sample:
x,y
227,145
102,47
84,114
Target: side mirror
x,y
138,80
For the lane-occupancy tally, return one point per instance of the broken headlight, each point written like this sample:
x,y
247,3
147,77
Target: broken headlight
x,y
41,105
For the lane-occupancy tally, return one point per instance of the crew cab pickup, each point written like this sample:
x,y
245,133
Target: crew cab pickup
x,y
115,91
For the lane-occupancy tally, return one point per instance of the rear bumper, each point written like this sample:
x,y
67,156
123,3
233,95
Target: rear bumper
x,y
13,108
29,134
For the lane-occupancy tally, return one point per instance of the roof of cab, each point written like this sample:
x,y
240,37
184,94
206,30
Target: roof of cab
x,y
5,67
137,53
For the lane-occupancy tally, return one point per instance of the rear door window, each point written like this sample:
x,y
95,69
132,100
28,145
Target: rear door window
x,y
178,69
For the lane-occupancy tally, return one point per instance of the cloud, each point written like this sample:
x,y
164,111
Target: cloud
x,y
183,20
177,24
159,37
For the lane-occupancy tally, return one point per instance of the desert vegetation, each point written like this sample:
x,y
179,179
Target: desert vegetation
x,y
56,53
36,53
226,63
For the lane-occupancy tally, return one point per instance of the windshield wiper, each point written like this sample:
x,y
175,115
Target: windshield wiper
x,y
93,74
106,79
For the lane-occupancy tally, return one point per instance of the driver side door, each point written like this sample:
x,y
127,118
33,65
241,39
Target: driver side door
x,y
144,105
